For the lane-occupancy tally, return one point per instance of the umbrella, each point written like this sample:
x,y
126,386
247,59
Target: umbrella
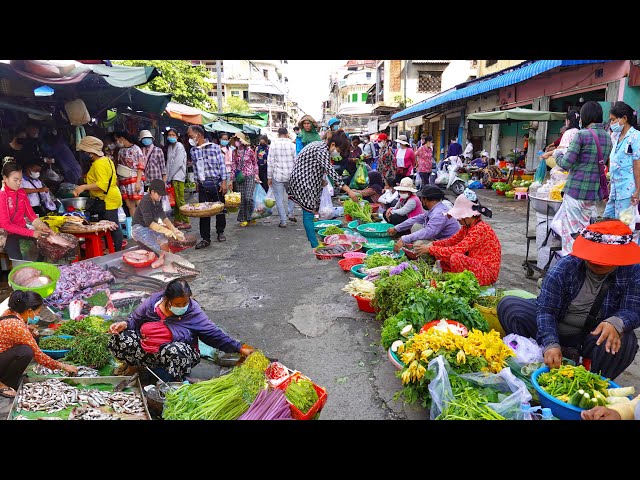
x,y
221,126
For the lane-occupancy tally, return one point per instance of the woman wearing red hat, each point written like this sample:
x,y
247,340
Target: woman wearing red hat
x,y
589,303
386,159
475,247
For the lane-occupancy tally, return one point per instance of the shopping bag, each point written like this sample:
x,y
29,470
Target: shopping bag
x,y
171,193
326,210
527,349
541,171
260,209
166,206
270,199
122,217
628,216
360,179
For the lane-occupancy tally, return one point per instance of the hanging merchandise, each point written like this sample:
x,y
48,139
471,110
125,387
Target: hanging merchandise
x,y
77,112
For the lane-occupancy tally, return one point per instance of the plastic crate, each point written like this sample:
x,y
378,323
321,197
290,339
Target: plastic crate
x,y
314,411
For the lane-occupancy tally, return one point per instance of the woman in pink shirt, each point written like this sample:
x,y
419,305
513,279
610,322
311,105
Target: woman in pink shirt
x,y
405,158
424,157
14,206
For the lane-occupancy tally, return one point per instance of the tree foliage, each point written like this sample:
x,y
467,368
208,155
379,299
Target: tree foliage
x,y
401,101
186,83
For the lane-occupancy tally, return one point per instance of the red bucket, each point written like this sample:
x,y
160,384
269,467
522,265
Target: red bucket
x,y
364,304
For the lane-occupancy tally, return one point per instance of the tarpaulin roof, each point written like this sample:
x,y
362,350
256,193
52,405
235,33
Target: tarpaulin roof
x,y
516,114
189,114
248,116
221,126
509,77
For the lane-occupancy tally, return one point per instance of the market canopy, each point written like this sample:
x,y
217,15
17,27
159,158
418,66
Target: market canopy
x,y
189,114
516,114
221,126
248,116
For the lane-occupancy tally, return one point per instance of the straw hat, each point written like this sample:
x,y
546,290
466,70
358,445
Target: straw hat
x,y
406,185
402,139
241,137
144,134
91,145
607,243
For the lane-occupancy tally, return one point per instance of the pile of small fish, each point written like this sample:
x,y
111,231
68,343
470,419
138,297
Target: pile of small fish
x,y
53,395
82,372
331,250
88,413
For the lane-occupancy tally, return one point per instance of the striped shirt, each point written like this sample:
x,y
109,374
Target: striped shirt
x,y
208,162
581,160
305,182
156,164
281,159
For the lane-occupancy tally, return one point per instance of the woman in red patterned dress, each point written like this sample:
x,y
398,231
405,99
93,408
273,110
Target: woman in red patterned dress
x,y
475,247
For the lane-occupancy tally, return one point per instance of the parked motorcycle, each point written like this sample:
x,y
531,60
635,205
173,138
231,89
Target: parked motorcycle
x,y
447,177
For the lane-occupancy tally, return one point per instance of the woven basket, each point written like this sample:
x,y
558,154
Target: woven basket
x,y
217,207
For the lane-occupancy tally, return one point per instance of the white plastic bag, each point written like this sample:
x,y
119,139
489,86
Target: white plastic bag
x,y
260,210
122,217
270,199
326,210
166,206
527,349
628,216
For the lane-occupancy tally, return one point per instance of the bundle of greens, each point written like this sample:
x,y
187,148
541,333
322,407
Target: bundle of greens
x,y
90,349
490,301
55,343
379,260
301,394
333,230
358,211
90,324
463,285
470,402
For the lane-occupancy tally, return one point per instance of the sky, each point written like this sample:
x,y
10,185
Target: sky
x,y
309,83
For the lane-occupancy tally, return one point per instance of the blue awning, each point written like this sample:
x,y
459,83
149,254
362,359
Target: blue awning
x,y
510,77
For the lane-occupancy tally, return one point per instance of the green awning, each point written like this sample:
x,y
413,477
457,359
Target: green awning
x,y
516,115
121,76
221,126
248,116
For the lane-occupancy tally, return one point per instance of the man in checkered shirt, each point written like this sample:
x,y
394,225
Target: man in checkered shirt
x,y
211,178
280,162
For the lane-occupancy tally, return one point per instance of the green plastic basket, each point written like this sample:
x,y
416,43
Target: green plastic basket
x,y
395,256
387,244
323,232
355,270
374,230
47,269
353,224
322,224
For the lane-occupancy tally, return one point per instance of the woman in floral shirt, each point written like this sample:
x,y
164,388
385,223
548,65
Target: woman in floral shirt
x,y
130,155
386,160
475,247
424,157
244,159
17,343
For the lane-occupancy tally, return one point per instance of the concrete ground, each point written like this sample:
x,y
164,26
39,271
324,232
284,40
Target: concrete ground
x,y
266,288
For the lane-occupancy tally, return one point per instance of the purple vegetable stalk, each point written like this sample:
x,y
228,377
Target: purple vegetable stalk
x,y
400,268
268,405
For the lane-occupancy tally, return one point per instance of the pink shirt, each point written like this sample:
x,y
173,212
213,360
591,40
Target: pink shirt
x,y
14,205
409,159
424,156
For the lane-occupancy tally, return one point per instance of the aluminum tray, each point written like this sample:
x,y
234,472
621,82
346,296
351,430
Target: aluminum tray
x,y
541,205
136,387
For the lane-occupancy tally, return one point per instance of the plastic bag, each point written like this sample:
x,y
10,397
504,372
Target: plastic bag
x,y
270,199
166,206
171,194
628,216
122,217
439,387
527,349
50,174
541,171
360,179
326,210
260,210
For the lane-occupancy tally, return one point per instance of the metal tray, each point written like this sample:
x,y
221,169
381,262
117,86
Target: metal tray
x,y
113,380
545,206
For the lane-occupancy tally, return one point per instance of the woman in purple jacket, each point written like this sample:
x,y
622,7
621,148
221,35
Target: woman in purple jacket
x,y
163,332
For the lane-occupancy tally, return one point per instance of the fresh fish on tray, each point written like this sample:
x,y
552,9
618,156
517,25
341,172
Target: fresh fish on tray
x,y
82,372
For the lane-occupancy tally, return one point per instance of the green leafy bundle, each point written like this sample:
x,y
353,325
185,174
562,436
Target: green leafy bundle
x,y
301,393
90,349
91,324
470,402
358,211
462,285
333,230
379,260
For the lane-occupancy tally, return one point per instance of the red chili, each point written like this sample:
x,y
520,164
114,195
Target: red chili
x,y
433,283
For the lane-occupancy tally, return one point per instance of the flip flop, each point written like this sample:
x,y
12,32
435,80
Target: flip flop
x,y
5,389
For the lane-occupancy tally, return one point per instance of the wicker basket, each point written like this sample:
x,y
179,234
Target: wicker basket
x,y
216,208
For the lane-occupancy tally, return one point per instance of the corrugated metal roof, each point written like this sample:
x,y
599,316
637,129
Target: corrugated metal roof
x,y
510,78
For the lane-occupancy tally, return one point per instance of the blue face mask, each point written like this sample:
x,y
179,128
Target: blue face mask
x,y
615,127
224,143
179,310
172,139
147,141
34,320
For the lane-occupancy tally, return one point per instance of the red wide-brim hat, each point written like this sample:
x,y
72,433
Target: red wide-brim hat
x,y
607,243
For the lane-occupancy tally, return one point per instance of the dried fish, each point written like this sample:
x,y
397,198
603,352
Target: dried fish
x,y
82,372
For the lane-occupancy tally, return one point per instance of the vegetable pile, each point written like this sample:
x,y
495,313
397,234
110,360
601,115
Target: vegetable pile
x,y
358,211
90,324
575,385
379,260
90,349
333,230
268,405
55,343
360,288
469,402
301,394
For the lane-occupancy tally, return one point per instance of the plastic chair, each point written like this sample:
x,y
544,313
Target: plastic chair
x,y
520,195
94,245
126,227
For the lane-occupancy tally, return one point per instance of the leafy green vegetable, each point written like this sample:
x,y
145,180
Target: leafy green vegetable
x,y
379,260
358,211
301,394
91,324
100,299
490,301
469,402
463,285
333,230
55,343
90,350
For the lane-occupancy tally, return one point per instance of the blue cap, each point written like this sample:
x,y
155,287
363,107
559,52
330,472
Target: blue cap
x,y
332,121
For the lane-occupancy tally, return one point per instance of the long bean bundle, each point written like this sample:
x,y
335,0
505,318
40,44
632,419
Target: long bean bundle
x,y
268,405
301,393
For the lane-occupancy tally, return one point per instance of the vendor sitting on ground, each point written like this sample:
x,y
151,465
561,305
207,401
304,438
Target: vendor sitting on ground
x,y
589,303
14,206
408,206
373,192
389,196
163,333
480,162
433,224
150,225
475,247
17,341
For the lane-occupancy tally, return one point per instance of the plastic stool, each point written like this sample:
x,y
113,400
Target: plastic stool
x,y
126,227
520,195
94,245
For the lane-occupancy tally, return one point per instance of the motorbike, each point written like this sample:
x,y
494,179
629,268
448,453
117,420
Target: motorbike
x,y
447,177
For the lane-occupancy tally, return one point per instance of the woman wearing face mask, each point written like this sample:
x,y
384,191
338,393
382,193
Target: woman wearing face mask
x,y
155,163
14,206
307,178
163,333
386,158
177,175
475,247
131,157
227,151
38,194
244,160
18,345
110,147
571,123
624,162
101,183
408,205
